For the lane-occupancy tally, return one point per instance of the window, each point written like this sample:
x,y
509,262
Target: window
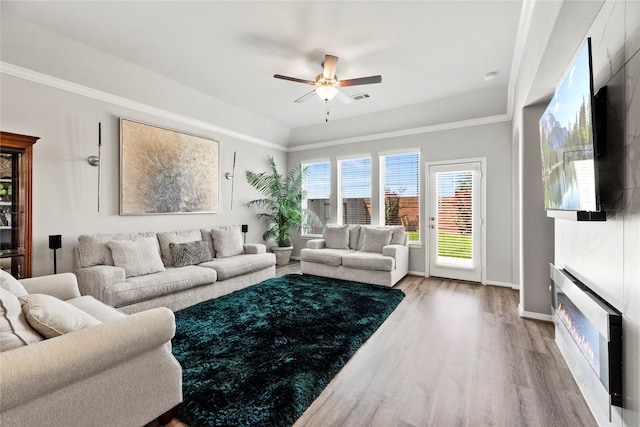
x,y
318,193
354,184
400,180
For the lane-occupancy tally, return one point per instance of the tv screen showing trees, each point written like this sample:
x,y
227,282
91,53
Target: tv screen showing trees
x,y
567,143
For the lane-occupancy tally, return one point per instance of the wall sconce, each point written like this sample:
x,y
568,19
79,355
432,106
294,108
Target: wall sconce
x,y
231,176
95,161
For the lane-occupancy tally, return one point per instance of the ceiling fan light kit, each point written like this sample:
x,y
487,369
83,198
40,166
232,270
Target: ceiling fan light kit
x,y
327,83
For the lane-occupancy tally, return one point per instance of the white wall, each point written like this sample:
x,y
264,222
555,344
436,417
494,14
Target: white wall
x,y
492,141
65,186
603,255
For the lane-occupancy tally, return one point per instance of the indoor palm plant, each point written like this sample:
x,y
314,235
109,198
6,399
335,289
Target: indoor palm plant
x,y
282,205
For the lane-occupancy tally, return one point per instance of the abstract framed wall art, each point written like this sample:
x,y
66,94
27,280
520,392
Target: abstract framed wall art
x,y
166,172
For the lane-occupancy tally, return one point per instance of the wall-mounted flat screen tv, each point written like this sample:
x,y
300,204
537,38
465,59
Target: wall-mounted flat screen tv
x,y
567,141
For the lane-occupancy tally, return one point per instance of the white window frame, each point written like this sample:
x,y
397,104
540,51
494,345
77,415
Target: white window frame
x,y
339,161
381,195
304,163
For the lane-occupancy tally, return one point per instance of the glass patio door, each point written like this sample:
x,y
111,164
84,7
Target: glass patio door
x,y
455,221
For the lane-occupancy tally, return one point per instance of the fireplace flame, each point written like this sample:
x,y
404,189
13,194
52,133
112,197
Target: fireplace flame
x,y
582,342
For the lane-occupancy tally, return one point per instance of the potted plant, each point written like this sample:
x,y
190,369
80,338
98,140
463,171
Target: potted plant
x,y
282,204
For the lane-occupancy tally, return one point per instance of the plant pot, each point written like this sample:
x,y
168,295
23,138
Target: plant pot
x,y
283,255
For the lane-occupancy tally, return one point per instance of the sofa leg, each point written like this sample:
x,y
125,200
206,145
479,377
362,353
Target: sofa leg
x,y
165,418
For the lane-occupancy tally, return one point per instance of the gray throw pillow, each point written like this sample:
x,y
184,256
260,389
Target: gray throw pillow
x,y
375,239
190,253
336,236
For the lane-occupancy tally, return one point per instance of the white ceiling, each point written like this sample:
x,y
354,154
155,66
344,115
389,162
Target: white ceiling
x,y
424,50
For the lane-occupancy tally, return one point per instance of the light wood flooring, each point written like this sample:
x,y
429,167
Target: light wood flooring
x,y
452,354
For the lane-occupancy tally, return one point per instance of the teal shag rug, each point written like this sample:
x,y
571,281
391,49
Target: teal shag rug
x,y
261,355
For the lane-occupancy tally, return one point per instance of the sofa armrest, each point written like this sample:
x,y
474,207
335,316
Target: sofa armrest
x,y
315,244
63,286
48,366
255,248
94,280
401,255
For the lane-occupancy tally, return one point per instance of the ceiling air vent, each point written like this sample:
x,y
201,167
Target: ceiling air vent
x,y
361,96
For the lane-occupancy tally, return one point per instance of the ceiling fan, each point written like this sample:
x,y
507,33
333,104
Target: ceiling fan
x,y
327,83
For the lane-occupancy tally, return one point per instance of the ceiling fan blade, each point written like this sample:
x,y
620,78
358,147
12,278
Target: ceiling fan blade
x,y
294,79
343,97
305,97
361,81
330,63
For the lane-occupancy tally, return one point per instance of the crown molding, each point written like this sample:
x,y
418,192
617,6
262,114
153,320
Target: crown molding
x,y
54,82
406,132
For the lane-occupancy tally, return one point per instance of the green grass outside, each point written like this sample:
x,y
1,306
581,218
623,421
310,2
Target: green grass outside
x,y
455,245
414,236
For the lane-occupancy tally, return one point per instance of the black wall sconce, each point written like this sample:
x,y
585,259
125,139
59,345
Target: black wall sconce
x,y
55,243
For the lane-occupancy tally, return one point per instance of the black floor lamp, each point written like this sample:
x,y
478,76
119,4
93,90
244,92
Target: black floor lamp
x,y
55,243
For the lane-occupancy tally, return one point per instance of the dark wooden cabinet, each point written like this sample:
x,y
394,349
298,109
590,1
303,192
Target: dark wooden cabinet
x,y
16,160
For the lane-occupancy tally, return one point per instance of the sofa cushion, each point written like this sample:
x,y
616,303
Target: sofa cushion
x,y
240,264
227,241
53,317
336,236
206,236
369,261
190,253
93,249
11,284
324,256
14,330
374,239
168,237
150,286
136,257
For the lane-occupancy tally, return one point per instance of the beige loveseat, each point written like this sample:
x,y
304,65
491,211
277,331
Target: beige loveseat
x,y
106,369
361,253
137,271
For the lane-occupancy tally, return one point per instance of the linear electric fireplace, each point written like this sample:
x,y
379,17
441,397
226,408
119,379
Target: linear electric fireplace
x,y
589,335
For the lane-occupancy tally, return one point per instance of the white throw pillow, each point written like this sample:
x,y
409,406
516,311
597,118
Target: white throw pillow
x,y
227,241
374,239
53,317
11,284
336,236
136,257
14,330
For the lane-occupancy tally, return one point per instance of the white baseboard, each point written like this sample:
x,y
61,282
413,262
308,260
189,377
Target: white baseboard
x,y
295,258
534,315
502,284
417,273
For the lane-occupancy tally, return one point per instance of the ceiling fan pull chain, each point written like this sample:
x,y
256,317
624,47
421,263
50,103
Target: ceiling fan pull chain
x,y
326,120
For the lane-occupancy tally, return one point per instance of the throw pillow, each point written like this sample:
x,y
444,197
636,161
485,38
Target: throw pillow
x,y
136,257
227,241
190,253
399,236
53,317
354,236
336,236
11,284
166,238
375,239
14,330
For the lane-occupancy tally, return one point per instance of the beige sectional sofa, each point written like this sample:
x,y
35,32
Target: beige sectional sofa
x,y
137,271
361,253
69,360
